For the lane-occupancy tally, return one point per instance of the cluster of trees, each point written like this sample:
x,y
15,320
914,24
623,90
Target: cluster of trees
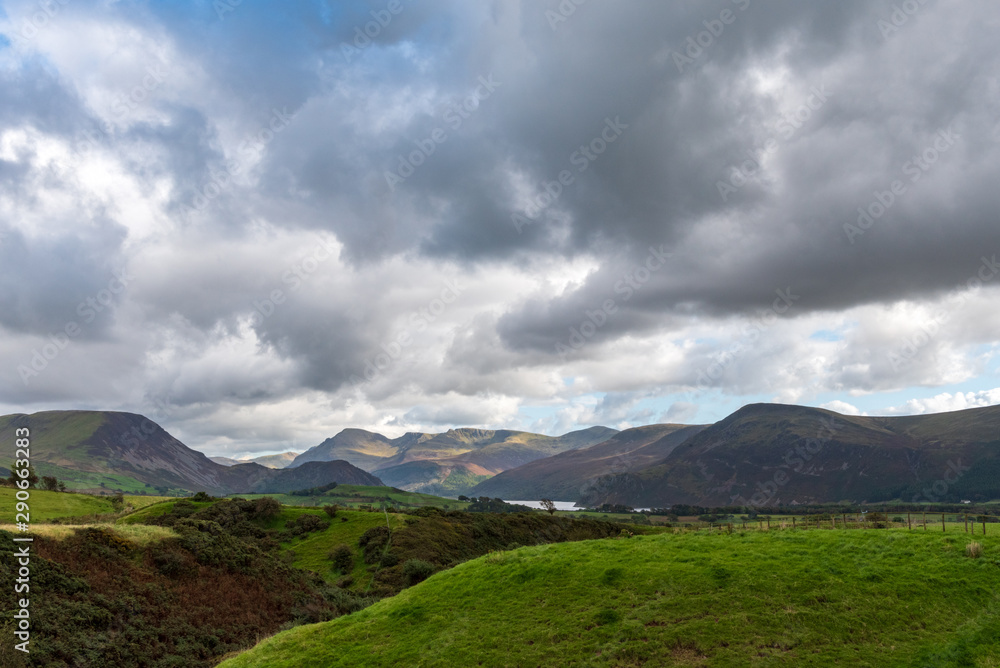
x,y
50,483
315,491
485,504
615,508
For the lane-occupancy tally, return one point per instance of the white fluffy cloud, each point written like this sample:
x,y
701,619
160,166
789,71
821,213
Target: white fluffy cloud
x,y
948,402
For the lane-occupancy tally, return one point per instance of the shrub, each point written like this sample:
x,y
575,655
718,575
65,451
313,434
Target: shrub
x,y
315,491
307,523
109,539
417,570
974,550
343,558
266,508
331,510
345,602
373,542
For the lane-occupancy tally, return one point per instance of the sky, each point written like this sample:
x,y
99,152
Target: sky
x,y
261,223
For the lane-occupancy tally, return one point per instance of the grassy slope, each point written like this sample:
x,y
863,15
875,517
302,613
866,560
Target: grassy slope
x,y
55,435
312,552
46,505
50,505
793,598
155,510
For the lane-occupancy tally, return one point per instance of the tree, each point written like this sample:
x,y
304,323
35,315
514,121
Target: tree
x,y
30,476
549,505
50,483
331,510
343,558
118,502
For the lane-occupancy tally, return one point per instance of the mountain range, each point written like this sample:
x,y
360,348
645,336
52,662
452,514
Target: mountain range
x,y
763,454
447,463
770,454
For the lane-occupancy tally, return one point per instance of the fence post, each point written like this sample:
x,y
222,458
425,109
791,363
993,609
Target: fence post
x,y
908,525
967,523
942,523
925,521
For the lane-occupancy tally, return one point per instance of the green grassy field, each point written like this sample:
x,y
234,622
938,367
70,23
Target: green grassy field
x,y
46,506
780,598
89,480
353,496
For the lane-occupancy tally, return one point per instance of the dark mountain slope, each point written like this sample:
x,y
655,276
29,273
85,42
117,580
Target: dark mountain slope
x,y
568,475
128,452
768,454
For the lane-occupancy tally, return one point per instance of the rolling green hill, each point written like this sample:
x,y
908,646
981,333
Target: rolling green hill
x,y
792,598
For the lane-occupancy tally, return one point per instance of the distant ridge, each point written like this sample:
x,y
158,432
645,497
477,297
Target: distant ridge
x,y
771,454
448,463
103,451
279,461
569,475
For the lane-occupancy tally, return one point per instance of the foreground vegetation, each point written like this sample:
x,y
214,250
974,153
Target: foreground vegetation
x,y
795,598
184,582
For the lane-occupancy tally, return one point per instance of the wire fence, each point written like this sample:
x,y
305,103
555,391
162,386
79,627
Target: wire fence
x,y
944,522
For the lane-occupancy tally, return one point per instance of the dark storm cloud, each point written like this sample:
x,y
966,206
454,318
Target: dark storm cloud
x,y
785,229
